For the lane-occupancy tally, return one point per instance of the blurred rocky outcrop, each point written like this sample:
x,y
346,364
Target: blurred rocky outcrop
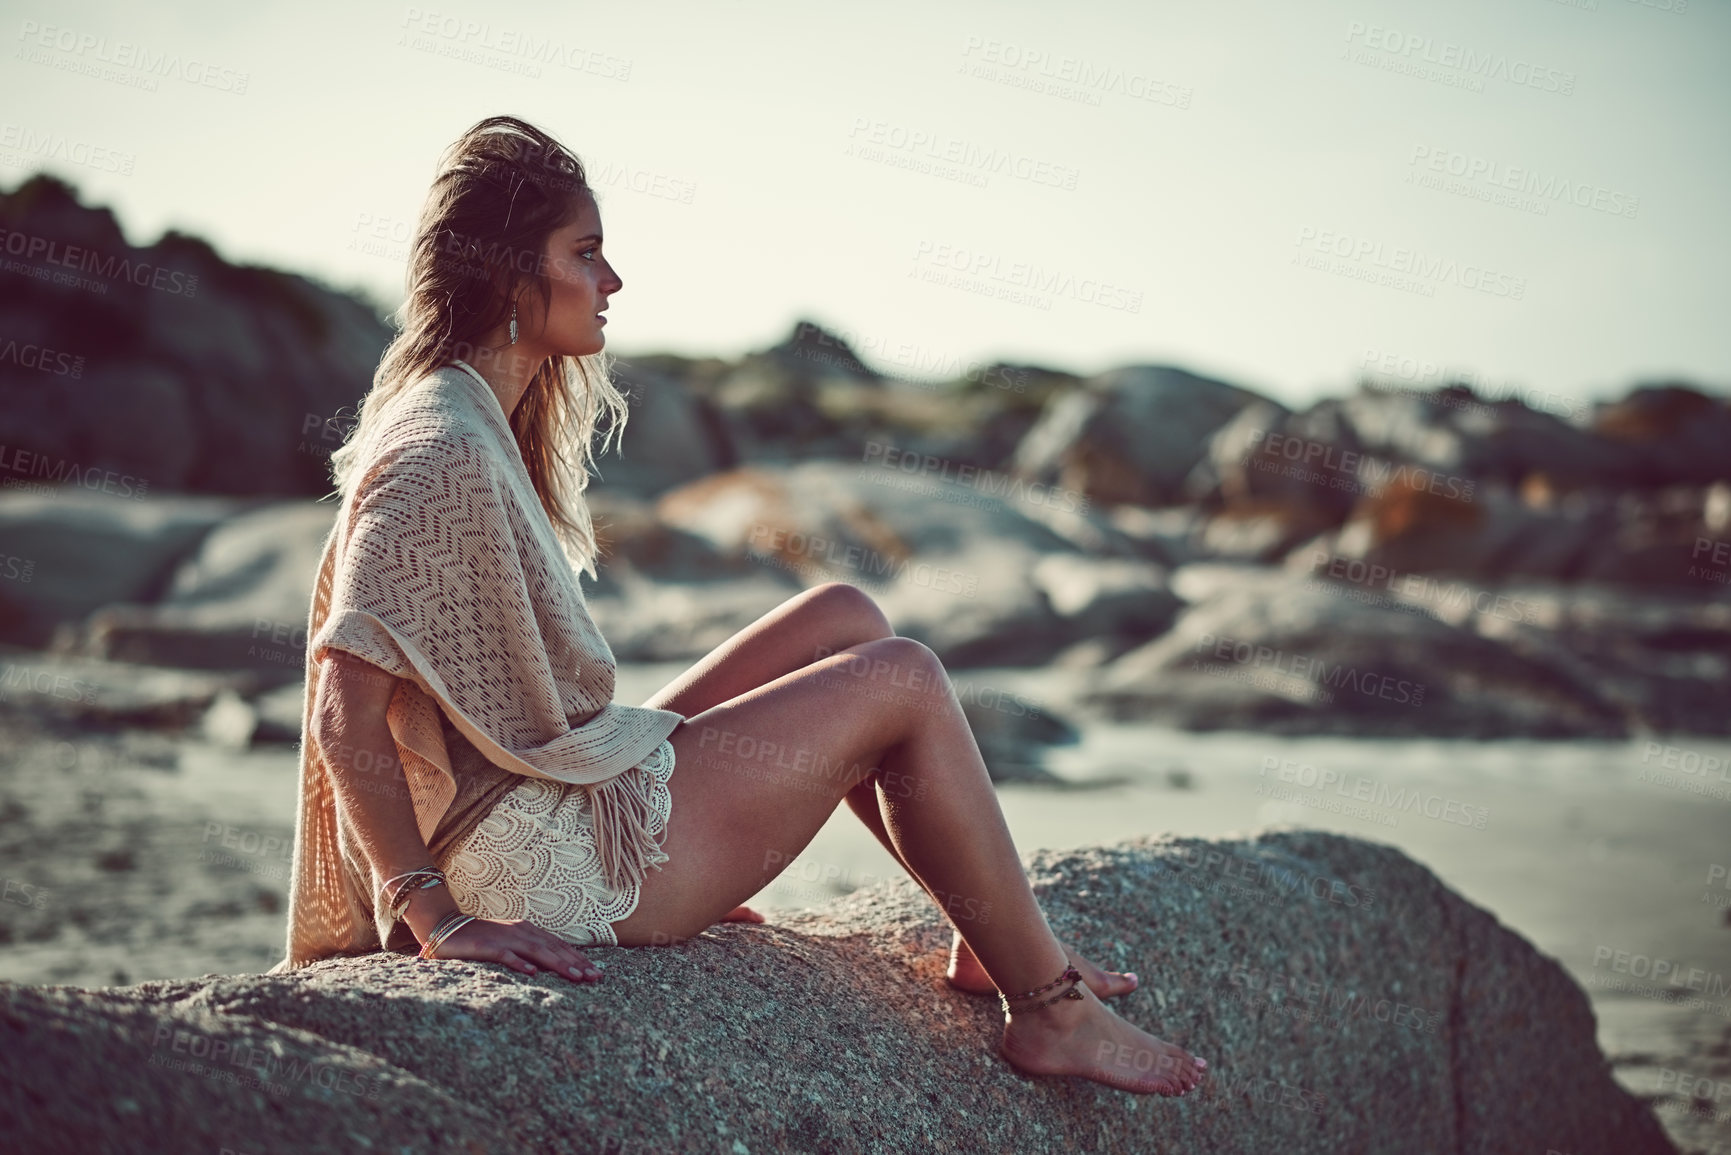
x,y
181,371
812,395
1345,999
673,435
1129,435
1343,648
1002,513
1654,538
952,555
66,553
1677,434
1442,482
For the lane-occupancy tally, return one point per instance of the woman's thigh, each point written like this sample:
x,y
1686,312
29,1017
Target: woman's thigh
x,y
756,777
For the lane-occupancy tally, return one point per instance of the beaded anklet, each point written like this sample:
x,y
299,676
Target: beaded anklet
x,y
1070,973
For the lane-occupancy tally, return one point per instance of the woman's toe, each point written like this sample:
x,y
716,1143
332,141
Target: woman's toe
x,y
1120,984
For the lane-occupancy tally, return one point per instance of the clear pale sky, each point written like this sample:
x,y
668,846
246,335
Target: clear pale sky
x,y
1197,157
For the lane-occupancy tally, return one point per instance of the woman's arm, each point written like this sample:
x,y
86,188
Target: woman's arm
x,y
349,726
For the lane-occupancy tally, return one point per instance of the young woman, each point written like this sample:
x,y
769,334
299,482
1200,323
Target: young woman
x,y
508,289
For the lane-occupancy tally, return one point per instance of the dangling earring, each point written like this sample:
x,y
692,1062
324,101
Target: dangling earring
x,y
513,322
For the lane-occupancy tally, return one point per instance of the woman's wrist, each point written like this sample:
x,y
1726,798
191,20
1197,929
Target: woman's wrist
x,y
426,908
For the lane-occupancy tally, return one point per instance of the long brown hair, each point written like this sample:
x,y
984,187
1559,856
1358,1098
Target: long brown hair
x,y
500,190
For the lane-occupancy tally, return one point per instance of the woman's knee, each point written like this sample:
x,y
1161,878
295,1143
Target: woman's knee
x,y
850,611
897,667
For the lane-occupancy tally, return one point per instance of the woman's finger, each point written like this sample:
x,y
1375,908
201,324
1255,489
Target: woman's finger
x,y
556,954
516,961
585,968
557,960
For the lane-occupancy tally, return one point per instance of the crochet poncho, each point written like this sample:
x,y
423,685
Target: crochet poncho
x,y
443,569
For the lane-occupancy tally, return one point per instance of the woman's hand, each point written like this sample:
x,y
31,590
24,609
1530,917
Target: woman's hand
x,y
520,945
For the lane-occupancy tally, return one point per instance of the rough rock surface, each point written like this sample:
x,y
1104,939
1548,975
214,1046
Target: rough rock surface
x,y
1346,1000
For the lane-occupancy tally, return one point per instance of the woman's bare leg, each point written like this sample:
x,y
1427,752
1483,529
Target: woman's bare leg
x,y
758,775
964,971
815,622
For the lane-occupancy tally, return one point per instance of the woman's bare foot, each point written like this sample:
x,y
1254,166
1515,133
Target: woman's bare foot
x,y
1087,1038
966,973
742,914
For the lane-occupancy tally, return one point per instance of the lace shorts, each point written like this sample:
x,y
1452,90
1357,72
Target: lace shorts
x,y
534,857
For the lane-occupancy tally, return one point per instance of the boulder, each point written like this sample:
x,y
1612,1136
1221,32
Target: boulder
x,y
1118,599
1272,652
666,594
1451,432
1269,458
87,693
1677,433
949,558
1012,732
1270,479
1273,479
1117,532
632,539
196,375
651,621
672,436
1345,998
68,551
772,399
1129,435
239,603
1665,538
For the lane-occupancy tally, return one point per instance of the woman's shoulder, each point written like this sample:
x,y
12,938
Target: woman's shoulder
x,y
433,419
432,400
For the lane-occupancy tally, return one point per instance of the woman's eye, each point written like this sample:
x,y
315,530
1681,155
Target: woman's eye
x,y
586,252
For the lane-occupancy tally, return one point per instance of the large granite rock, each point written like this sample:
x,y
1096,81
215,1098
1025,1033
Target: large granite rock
x,y
950,556
89,694
1346,1000
1677,433
1451,432
1279,653
673,435
239,603
1270,478
193,374
67,551
1672,537
1339,449
1129,435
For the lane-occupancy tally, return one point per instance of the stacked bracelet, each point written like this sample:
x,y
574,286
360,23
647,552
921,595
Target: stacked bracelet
x,y
443,930
399,902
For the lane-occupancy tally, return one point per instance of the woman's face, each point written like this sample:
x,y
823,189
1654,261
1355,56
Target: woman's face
x,y
580,281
